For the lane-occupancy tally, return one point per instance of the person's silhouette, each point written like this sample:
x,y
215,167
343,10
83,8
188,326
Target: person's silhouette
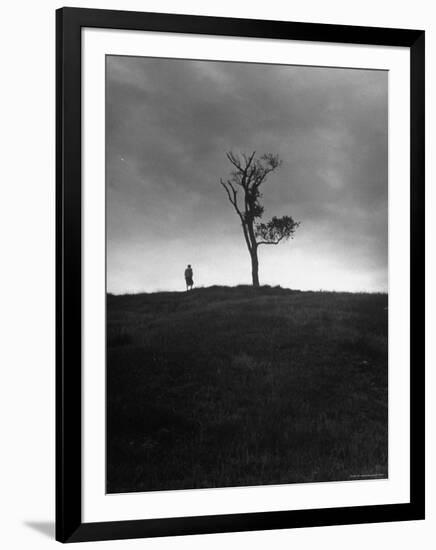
x,y
189,277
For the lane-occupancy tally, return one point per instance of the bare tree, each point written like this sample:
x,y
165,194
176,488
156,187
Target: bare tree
x,y
243,192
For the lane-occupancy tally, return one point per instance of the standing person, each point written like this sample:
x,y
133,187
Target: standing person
x,y
189,277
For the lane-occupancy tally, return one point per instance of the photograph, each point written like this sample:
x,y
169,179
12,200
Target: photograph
x,y
247,274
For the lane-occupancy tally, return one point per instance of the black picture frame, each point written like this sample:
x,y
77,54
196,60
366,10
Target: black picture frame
x,y
69,525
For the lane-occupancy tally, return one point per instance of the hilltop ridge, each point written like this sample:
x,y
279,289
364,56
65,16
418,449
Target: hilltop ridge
x,y
235,380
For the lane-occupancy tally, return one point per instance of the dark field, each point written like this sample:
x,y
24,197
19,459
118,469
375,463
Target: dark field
x,y
236,386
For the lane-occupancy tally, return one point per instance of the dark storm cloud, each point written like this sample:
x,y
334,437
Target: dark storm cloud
x,y
169,124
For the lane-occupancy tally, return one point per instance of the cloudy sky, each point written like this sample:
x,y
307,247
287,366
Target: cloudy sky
x,y
169,124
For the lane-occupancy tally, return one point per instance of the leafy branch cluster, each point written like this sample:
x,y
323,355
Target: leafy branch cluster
x,y
276,230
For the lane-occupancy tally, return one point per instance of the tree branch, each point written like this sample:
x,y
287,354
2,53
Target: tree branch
x,y
234,202
271,242
248,160
235,161
243,176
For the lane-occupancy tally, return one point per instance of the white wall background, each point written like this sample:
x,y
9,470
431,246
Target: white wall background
x,y
27,324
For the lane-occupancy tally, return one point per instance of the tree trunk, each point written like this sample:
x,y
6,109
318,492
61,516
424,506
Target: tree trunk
x,y
255,267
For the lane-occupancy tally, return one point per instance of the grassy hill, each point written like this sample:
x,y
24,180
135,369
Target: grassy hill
x,y
236,386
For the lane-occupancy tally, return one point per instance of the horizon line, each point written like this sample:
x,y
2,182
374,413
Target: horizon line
x,y
248,286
